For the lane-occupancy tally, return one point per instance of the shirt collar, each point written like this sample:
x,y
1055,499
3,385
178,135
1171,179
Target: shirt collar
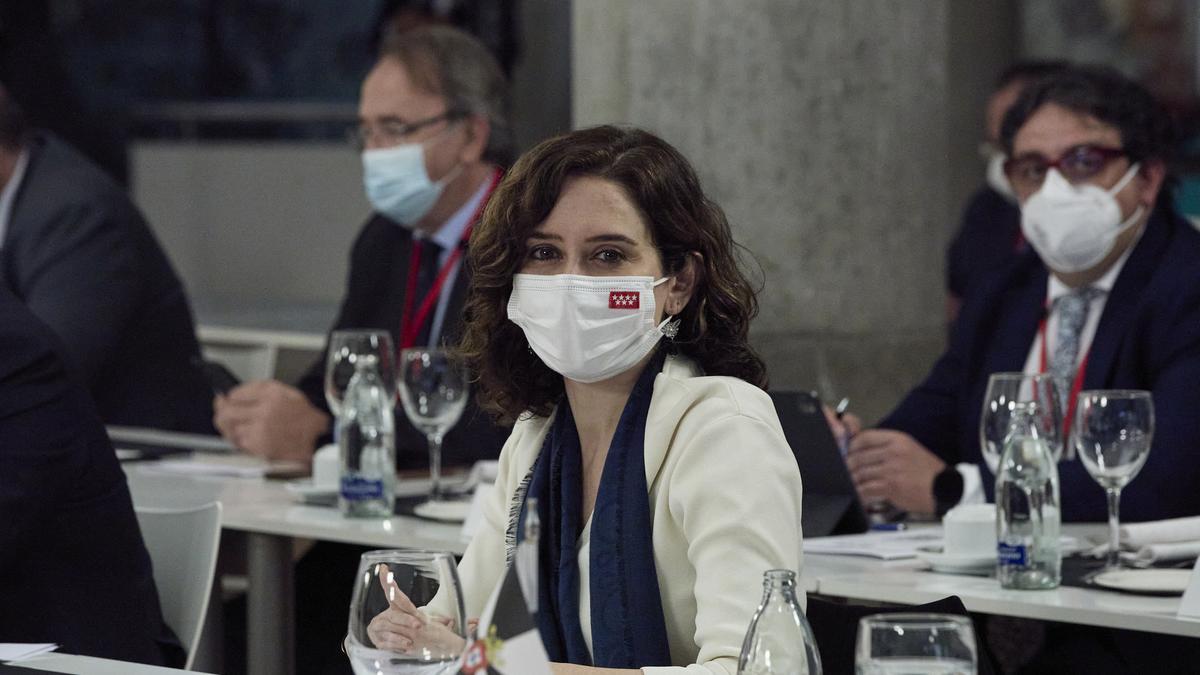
x,y
1056,289
449,234
9,194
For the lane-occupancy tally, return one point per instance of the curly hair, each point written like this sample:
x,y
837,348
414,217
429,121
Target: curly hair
x,y
682,221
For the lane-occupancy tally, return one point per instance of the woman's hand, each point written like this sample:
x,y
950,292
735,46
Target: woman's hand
x,y
404,628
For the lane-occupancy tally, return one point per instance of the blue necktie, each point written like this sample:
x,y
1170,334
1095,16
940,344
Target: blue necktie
x,y
1072,311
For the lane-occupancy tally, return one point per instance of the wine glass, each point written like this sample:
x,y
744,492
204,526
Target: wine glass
x,y
433,390
1006,392
344,348
912,644
386,583
1113,430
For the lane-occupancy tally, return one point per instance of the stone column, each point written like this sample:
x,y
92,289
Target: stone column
x,y
823,129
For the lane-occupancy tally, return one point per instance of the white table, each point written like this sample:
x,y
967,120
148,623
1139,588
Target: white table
x,y
90,665
906,582
268,513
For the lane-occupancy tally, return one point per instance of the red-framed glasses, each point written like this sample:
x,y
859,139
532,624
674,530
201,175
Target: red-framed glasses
x,y
1077,164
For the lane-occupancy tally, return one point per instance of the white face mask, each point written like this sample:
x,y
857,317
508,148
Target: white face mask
x,y
1072,227
398,186
997,179
586,328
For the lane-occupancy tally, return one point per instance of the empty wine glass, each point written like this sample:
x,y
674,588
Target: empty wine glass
x,y
1007,391
1113,430
393,587
915,644
344,348
433,390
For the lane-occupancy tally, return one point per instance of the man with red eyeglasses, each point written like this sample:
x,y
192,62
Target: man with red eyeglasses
x,y
1108,297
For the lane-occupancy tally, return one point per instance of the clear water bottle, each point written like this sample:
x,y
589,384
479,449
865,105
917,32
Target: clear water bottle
x,y
779,640
366,432
1027,507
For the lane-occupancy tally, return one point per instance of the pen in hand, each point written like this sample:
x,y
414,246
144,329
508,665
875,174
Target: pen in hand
x,y
839,411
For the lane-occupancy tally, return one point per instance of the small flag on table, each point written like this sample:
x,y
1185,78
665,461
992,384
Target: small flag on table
x,y
507,641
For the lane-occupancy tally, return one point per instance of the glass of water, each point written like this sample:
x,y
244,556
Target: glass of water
x,y
392,589
1113,430
433,390
915,644
1005,393
345,346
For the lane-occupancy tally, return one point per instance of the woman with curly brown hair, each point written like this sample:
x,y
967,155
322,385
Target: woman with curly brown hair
x,y
663,481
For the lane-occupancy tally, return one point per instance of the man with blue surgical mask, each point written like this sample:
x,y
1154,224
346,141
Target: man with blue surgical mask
x,y
1108,297
433,133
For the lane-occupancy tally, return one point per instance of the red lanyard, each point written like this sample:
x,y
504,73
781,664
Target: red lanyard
x,y
1076,386
410,328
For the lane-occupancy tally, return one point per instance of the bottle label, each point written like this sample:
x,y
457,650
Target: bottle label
x,y
1012,555
356,488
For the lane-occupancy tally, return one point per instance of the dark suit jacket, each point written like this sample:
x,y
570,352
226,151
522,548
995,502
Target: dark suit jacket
x,y
375,300
988,238
80,256
73,569
1148,338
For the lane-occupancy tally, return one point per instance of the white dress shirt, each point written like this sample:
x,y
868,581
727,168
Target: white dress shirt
x,y
447,237
972,480
9,194
583,557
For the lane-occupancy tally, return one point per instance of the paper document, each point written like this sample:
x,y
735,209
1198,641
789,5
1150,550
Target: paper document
x,y
882,545
14,651
1174,530
238,466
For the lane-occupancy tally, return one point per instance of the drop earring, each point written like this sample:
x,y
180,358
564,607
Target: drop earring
x,y
671,329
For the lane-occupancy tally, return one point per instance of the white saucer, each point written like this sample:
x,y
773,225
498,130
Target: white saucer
x,y
450,511
309,493
956,563
1165,582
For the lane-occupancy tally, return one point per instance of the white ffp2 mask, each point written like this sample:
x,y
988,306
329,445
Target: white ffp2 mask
x,y
586,328
1072,227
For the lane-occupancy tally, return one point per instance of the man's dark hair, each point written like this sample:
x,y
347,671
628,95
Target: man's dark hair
x,y
13,125
1027,71
1146,128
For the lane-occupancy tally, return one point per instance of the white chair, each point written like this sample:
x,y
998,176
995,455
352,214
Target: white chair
x,y
183,548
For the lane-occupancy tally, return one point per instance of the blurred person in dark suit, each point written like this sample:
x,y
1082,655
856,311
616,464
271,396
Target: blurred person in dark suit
x,y
989,234
77,252
73,567
434,134
33,68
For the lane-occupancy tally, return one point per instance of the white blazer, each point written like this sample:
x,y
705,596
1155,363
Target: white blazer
x,y
724,502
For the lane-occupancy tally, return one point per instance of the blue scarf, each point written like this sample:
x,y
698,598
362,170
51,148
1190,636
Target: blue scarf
x,y
628,629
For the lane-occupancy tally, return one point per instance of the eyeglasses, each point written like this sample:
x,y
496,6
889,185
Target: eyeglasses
x,y
391,132
1077,165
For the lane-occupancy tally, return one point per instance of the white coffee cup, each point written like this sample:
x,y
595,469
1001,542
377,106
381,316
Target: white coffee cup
x,y
970,530
326,466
